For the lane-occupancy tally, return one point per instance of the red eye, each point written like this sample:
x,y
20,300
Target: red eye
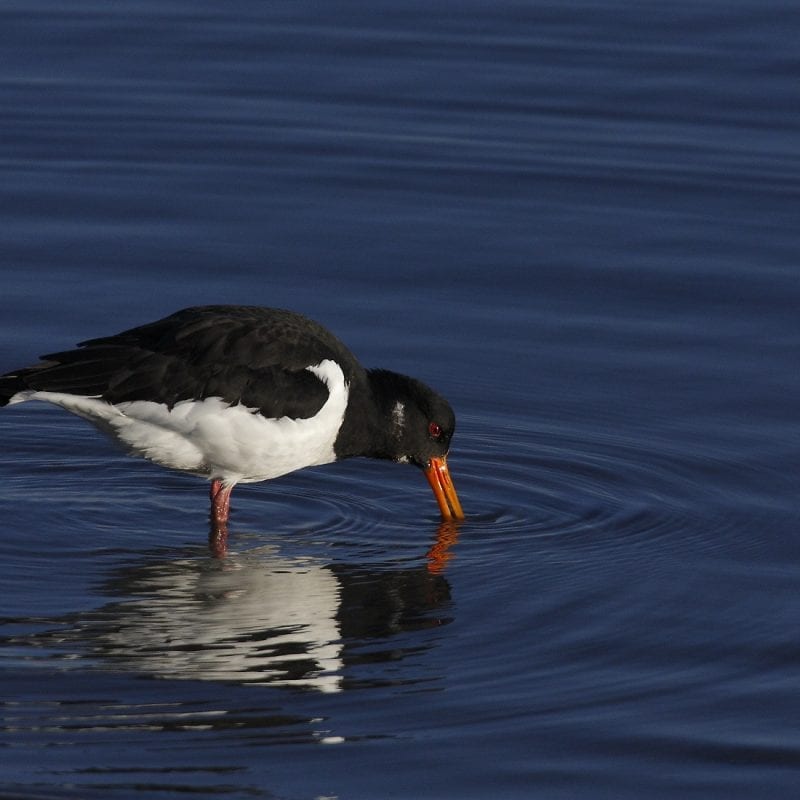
x,y
434,430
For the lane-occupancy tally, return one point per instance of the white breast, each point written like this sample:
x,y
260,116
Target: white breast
x,y
211,438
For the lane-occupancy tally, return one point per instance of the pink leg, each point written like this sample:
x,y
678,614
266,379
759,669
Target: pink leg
x,y
220,501
220,508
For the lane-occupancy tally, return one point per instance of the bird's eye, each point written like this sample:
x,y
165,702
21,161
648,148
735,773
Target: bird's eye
x,y
434,430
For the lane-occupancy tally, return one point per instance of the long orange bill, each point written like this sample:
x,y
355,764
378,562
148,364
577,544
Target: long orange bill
x,y
443,490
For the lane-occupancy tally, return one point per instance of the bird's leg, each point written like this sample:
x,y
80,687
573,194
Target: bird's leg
x,y
220,501
218,540
220,508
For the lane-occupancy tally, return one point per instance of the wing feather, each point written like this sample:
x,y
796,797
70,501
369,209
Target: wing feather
x,y
254,356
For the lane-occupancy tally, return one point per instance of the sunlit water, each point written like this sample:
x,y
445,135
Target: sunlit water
x,y
580,224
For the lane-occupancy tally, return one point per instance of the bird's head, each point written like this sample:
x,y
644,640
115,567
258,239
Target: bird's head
x,y
418,425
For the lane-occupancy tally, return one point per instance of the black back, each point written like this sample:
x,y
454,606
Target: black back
x,y
243,354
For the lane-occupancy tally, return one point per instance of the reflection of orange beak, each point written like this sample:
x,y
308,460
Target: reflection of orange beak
x,y
443,490
439,554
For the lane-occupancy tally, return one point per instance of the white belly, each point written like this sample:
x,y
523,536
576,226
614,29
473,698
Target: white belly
x,y
213,439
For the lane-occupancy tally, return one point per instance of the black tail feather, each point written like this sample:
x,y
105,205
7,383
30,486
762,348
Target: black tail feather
x,y
11,384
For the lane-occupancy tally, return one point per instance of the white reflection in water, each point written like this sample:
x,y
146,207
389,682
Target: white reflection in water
x,y
248,619
257,617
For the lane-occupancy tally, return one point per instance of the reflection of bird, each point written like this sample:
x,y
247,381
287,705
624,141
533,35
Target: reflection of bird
x,y
260,618
240,394
256,617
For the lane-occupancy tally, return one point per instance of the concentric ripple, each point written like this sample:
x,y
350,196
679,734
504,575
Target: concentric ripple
x,y
600,489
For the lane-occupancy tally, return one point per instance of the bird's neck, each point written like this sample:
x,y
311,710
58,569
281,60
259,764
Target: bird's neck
x,y
367,428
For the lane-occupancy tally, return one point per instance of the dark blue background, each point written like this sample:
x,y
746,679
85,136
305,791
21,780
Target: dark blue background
x,y
579,222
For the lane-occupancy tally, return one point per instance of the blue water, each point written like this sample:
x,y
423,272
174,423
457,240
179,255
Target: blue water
x,y
577,221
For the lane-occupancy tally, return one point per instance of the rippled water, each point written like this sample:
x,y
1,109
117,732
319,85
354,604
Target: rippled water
x,y
580,224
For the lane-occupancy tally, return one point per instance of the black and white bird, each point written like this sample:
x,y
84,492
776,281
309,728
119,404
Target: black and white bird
x,y
239,394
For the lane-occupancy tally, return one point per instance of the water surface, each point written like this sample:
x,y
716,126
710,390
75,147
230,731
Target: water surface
x,y
577,222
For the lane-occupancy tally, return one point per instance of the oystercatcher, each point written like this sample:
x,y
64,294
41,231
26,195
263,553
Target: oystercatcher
x,y
239,394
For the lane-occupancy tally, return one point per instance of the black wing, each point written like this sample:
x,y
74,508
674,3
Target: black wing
x,y
243,354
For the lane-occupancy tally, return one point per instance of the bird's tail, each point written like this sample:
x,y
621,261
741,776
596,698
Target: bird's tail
x,y
10,384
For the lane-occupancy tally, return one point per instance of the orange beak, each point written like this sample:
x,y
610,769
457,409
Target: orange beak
x,y
443,490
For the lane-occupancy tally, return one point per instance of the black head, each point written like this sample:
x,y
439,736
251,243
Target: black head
x,y
417,422
401,419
